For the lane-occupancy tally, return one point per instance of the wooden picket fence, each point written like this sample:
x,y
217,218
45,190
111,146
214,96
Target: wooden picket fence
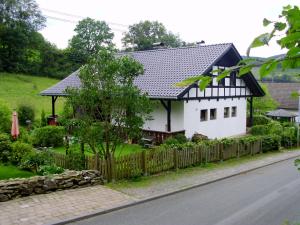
x,y
153,161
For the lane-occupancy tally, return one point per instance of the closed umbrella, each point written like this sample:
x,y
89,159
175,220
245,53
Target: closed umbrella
x,y
15,126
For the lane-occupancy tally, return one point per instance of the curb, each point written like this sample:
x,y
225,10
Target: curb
x,y
137,202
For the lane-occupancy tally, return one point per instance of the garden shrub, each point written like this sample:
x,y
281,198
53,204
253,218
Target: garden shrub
x,y
289,136
171,141
36,159
198,137
261,120
43,119
275,127
24,136
49,136
5,118
75,160
5,147
181,138
45,170
270,142
19,151
25,112
259,130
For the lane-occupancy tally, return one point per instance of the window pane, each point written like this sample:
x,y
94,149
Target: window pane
x,y
203,115
233,79
226,112
233,111
213,114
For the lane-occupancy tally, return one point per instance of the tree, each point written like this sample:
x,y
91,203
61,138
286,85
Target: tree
x,y
287,32
109,107
264,104
143,35
91,36
19,21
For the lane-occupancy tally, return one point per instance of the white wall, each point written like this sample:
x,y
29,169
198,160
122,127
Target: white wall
x,y
159,117
220,127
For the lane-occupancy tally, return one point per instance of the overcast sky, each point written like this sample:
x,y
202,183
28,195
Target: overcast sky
x,y
214,21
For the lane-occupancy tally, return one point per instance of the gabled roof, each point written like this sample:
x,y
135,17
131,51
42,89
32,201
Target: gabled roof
x,y
281,113
282,93
163,69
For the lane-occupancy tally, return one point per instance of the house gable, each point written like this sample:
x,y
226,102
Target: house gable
x,y
231,86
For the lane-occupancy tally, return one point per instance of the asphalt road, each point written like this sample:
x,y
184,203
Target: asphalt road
x,y
267,196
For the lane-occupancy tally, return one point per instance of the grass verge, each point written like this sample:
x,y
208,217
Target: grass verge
x,y
10,171
145,181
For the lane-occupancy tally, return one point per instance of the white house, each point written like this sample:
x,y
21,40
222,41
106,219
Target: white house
x,y
218,111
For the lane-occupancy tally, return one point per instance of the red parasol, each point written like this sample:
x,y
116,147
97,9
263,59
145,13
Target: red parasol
x,y
15,126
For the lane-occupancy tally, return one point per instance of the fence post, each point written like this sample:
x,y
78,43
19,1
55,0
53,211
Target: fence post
x,y
261,148
238,150
221,152
113,168
97,161
143,163
175,158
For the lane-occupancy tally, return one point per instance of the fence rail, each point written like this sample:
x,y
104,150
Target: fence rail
x,y
155,161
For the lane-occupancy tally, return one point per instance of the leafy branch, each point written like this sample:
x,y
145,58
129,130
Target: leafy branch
x,y
287,28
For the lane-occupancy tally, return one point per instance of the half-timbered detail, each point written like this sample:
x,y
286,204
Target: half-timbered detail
x,y
220,110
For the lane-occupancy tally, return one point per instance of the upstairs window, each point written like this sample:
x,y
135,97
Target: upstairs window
x,y
233,111
226,112
233,79
213,114
203,115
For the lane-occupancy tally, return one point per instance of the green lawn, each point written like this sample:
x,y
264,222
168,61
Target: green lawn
x,y
17,88
10,171
125,149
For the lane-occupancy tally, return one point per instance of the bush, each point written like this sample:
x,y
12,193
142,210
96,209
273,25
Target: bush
x,y
259,130
270,142
24,136
181,138
43,119
49,169
5,116
198,138
171,141
75,160
5,147
289,136
36,159
49,136
25,112
19,151
261,120
275,128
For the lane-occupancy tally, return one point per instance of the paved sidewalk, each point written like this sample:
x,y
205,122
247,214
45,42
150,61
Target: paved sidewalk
x,y
61,205
69,204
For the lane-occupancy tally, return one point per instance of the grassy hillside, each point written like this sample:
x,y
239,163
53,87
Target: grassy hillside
x,y
16,89
290,75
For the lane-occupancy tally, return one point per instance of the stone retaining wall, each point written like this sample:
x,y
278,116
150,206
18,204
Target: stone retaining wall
x,y
15,188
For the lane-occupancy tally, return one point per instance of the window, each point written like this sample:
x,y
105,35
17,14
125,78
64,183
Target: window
x,y
222,82
233,79
203,115
213,114
233,111
226,112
